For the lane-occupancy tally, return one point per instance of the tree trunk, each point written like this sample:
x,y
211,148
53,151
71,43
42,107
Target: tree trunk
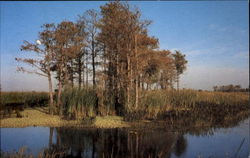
x,y
51,131
87,71
131,82
136,93
128,85
136,74
59,105
177,82
51,100
83,70
79,72
71,74
93,60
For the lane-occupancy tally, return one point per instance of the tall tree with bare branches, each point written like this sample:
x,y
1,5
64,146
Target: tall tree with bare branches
x,y
91,19
43,62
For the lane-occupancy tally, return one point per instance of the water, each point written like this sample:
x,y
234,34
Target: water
x,y
219,142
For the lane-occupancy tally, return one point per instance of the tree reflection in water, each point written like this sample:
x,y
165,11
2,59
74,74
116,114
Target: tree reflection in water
x,y
99,143
125,142
180,145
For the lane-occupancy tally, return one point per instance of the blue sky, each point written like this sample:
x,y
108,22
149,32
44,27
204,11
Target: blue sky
x,y
213,35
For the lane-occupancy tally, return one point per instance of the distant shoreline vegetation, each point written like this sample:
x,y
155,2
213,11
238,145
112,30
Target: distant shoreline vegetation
x,y
230,88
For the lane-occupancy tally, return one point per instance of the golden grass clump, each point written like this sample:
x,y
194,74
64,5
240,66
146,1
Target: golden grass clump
x,y
109,122
157,104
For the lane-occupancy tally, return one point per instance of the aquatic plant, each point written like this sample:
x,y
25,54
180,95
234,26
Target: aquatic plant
x,y
79,103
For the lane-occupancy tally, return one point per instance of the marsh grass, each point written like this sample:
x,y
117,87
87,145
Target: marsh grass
x,y
159,104
12,103
27,98
84,103
109,122
79,103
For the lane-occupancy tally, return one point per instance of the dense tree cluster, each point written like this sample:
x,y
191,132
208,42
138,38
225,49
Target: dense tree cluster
x,y
230,88
112,49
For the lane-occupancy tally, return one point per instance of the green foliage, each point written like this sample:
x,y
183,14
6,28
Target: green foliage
x,y
180,62
154,98
79,103
27,98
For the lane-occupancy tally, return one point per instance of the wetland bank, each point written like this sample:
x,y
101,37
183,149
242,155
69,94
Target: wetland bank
x,y
113,92
228,138
192,130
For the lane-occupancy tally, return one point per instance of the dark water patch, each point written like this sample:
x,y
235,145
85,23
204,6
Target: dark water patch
x,y
170,141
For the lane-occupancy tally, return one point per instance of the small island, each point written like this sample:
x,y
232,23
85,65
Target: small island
x,y
113,91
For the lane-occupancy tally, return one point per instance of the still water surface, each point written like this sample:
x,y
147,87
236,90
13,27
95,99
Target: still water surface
x,y
219,142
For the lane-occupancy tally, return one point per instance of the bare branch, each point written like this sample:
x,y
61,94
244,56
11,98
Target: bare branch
x,y
21,69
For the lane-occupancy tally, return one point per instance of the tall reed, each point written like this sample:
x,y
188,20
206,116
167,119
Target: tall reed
x,y
79,103
160,103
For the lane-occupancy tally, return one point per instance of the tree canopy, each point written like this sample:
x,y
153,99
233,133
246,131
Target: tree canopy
x,y
113,48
